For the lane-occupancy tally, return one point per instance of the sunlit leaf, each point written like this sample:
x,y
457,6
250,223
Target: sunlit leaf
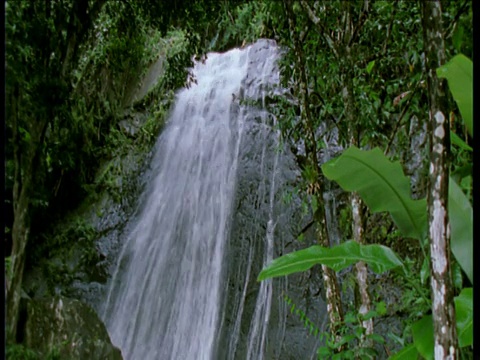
x,y
461,227
464,315
381,308
379,258
459,73
370,66
382,185
377,338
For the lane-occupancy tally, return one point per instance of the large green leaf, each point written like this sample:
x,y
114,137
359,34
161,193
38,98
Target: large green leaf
x,y
423,336
460,213
464,314
382,185
459,73
407,353
379,258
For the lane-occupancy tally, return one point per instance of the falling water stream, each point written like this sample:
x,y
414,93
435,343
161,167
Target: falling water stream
x,y
211,216
166,298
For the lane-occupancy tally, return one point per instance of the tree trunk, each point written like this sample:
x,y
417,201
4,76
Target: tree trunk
x,y
361,268
26,159
443,311
20,233
358,215
26,156
334,302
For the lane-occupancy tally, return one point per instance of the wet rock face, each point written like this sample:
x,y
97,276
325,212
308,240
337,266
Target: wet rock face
x,y
266,175
79,268
71,327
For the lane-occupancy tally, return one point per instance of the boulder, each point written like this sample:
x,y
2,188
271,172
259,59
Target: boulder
x,y
69,326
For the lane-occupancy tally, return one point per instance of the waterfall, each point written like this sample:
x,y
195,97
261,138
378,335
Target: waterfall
x,y
167,296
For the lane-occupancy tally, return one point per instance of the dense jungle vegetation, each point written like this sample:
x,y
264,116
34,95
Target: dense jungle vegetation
x,y
381,72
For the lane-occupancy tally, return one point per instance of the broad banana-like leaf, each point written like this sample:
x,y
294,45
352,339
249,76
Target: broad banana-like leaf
x,y
459,74
407,353
464,315
460,213
423,336
378,257
382,185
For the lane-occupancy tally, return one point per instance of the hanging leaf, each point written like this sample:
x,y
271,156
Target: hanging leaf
x,y
423,336
460,213
457,37
459,74
464,314
378,257
382,185
425,270
370,66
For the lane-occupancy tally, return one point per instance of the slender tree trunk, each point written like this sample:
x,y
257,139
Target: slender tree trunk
x,y
443,311
361,268
20,233
334,302
358,215
26,159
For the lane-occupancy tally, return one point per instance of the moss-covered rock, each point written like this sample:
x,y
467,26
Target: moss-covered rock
x,y
69,327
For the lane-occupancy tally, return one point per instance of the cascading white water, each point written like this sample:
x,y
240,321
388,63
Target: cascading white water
x,y
165,294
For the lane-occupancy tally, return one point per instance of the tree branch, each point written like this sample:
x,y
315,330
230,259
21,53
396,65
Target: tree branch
x,y
390,25
317,22
360,23
404,111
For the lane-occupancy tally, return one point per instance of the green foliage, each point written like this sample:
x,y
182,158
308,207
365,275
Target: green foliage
x,y
459,73
74,242
382,70
407,353
367,172
307,322
415,298
382,185
422,330
352,334
20,352
456,140
423,336
461,227
378,257
464,317
245,22
68,107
